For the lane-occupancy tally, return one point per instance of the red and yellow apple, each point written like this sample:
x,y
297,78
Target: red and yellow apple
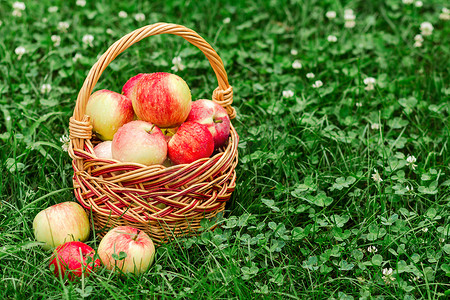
x,y
61,223
214,117
108,111
139,142
74,259
103,150
191,142
129,89
162,99
137,247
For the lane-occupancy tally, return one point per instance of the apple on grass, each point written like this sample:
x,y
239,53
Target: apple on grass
x,y
74,259
103,150
108,111
139,142
61,223
191,142
214,117
162,99
127,249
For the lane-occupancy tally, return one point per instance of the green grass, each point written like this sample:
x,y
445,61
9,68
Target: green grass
x,y
306,210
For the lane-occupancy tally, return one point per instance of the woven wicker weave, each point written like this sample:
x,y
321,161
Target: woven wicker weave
x,y
132,194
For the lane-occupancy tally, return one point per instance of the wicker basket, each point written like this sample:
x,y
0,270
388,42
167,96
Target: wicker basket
x,y
131,194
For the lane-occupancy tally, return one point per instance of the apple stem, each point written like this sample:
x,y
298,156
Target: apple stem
x,y
136,236
151,129
218,121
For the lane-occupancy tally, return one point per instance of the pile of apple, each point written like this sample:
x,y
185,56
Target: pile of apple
x,y
66,226
154,121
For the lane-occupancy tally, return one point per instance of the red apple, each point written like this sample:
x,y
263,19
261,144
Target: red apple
x,y
137,247
214,117
191,142
139,142
108,111
162,99
74,259
129,89
103,150
61,223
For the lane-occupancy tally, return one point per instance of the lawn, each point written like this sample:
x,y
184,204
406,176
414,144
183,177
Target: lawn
x,y
343,188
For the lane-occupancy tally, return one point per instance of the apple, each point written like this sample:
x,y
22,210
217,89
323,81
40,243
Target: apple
x,y
162,99
214,117
74,259
191,142
137,247
139,142
129,88
103,150
108,111
61,223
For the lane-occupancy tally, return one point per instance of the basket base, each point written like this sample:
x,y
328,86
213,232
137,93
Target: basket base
x,y
159,232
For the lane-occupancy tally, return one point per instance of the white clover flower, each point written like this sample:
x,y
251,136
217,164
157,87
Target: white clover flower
x,y
46,88
407,2
445,14
16,13
358,104
56,39
330,14
409,189
417,44
370,83
418,38
296,64
317,84
53,9
288,94
294,52
348,11
426,28
418,3
19,5
425,229
410,160
110,31
44,20
63,26
64,139
76,57
350,24
88,39
310,75
123,14
387,275
332,39
177,64
441,240
372,249
226,20
375,126
376,176
20,51
139,17
81,3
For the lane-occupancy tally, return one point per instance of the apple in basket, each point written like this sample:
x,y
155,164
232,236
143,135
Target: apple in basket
x,y
127,249
129,89
191,142
61,223
214,117
103,150
139,142
108,111
74,259
162,99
